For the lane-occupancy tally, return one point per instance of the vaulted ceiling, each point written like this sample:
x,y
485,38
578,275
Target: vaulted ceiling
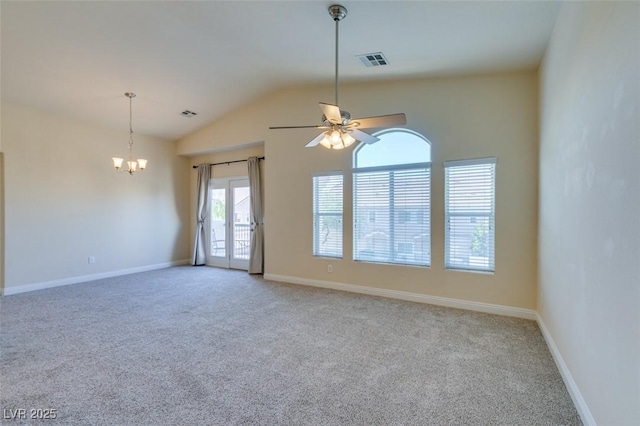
x,y
211,57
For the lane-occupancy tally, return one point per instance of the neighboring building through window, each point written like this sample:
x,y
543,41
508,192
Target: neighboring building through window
x,y
469,214
327,215
391,199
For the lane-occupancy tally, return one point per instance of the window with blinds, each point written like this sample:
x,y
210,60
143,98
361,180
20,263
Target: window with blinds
x,y
327,215
392,200
469,214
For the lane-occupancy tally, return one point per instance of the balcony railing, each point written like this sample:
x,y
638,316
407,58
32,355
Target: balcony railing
x,y
242,240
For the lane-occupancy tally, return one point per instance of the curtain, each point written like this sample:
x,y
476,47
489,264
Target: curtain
x,y
256,265
199,251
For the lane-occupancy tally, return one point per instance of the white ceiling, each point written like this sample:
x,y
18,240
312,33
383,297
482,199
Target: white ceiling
x,y
78,58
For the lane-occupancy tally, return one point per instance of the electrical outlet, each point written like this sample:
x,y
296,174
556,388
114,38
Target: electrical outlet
x,y
329,269
91,260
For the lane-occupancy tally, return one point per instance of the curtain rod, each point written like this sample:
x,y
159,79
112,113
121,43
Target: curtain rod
x,y
228,162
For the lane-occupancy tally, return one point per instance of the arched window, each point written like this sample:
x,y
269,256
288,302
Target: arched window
x,y
392,199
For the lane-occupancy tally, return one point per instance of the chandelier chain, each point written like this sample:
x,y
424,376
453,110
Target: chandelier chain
x,y
132,165
130,121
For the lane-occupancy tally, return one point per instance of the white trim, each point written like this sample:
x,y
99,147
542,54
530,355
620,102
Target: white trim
x,y
393,167
572,387
412,297
328,173
470,162
85,278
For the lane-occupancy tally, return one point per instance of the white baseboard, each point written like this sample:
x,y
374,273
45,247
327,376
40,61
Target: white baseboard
x,y
572,387
412,297
85,278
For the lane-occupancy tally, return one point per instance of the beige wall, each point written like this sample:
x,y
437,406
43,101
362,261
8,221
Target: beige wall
x,y
65,202
2,244
1,219
589,230
463,117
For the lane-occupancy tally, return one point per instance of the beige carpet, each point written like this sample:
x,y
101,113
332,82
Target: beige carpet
x,y
206,346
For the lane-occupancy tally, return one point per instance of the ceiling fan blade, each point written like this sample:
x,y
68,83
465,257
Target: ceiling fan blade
x,y
363,137
332,112
315,141
299,127
379,121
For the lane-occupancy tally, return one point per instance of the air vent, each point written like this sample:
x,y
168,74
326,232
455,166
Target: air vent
x,y
373,59
187,113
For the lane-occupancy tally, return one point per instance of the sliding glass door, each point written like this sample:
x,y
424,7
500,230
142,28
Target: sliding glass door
x,y
229,225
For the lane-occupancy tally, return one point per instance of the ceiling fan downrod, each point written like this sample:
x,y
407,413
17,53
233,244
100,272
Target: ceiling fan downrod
x,y
338,13
339,129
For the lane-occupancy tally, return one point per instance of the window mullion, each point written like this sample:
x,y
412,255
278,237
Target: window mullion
x,y
316,217
392,217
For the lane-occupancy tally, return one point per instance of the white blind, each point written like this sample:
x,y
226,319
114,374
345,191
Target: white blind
x,y
469,214
327,215
391,214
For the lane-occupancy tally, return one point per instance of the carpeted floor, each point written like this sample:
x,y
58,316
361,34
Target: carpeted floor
x,y
205,346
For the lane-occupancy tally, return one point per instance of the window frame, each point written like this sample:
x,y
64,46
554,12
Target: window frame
x,y
472,214
316,215
391,169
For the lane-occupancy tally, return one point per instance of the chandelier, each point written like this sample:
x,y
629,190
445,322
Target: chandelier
x,y
132,165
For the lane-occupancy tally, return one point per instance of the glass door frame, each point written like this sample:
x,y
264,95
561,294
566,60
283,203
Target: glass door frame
x,y
236,225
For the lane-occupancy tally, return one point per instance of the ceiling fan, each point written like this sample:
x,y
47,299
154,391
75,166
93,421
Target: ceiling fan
x,y
342,130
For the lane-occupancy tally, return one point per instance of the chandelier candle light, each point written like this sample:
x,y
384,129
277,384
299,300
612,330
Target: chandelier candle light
x,y
132,165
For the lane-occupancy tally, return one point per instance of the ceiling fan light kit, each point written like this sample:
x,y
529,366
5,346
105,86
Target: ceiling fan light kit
x,y
132,165
337,139
341,131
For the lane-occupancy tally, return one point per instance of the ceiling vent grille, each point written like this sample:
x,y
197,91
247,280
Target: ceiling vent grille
x,y
373,59
187,113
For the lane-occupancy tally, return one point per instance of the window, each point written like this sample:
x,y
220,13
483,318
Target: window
x,y
327,215
469,214
391,199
